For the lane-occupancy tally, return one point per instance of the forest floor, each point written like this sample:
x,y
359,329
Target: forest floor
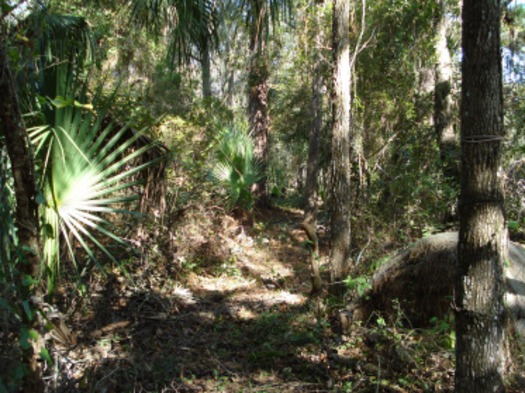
x,y
217,306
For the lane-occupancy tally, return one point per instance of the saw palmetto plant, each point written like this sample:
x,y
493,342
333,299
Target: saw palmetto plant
x,y
236,169
86,172
88,166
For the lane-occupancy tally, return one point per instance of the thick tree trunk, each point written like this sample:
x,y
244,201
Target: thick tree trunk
x,y
340,190
258,101
480,313
443,100
14,132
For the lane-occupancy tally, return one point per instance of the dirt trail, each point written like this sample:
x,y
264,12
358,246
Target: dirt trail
x,y
240,320
217,306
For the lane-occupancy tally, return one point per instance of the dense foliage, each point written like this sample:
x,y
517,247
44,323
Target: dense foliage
x,y
140,122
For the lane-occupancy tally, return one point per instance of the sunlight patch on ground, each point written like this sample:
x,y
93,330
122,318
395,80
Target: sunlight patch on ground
x,y
267,267
270,298
221,284
257,256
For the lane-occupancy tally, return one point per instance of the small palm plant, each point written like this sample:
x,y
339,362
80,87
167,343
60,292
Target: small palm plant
x,y
87,167
236,169
85,172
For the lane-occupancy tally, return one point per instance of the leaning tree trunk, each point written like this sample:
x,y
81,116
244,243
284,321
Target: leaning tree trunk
x,y
312,167
14,132
258,101
480,312
443,100
340,190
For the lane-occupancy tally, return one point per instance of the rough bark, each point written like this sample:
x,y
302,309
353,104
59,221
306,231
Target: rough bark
x,y
315,273
480,313
340,189
312,167
258,99
14,132
206,68
443,99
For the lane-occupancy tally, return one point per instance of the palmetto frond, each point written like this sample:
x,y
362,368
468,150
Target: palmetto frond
x,y
87,167
87,170
235,168
65,34
61,41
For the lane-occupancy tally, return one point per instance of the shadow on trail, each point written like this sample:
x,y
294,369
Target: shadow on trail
x,y
154,343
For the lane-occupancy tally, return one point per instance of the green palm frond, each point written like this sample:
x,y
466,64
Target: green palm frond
x,y
87,173
235,168
61,41
88,168
65,34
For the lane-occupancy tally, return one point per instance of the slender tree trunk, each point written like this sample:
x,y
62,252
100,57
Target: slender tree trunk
x,y
359,161
340,190
206,68
14,132
443,100
312,168
480,312
258,99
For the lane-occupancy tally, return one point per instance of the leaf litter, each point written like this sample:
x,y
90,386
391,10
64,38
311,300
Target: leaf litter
x,y
225,307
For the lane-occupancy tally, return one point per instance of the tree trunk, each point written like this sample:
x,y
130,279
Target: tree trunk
x,y
258,100
312,167
443,100
206,68
14,132
340,189
480,312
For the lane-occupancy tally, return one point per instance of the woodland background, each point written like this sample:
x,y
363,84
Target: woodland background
x,y
174,147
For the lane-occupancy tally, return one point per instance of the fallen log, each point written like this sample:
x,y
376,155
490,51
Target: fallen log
x,y
422,278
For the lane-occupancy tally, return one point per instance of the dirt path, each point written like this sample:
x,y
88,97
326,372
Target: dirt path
x,y
217,306
237,319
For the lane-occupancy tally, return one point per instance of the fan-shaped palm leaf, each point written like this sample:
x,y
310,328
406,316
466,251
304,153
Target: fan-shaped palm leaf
x,y
87,170
235,168
60,40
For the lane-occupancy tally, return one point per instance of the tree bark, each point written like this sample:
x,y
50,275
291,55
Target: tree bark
x,y
340,189
258,98
443,100
206,68
480,312
312,167
14,132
